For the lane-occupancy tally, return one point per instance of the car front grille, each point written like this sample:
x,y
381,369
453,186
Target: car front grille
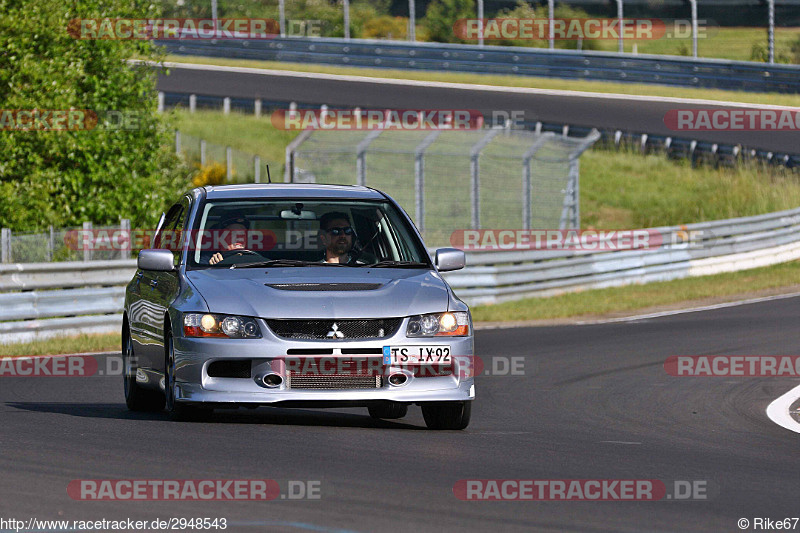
x,y
335,329
333,381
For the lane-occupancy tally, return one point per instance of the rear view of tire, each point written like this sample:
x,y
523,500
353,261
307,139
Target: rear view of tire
x,y
137,398
388,410
447,415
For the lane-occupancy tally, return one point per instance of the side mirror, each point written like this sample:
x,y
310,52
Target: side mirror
x,y
448,259
156,260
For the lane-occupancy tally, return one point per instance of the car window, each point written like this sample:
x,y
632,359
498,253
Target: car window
x,y
358,233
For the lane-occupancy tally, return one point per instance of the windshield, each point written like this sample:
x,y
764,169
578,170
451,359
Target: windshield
x,y
301,233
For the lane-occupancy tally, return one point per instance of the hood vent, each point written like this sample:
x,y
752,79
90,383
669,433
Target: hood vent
x,y
324,286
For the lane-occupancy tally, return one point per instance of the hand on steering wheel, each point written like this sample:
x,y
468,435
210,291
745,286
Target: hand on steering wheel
x,y
227,254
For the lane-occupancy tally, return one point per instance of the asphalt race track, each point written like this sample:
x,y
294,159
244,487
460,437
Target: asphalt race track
x,y
594,403
628,115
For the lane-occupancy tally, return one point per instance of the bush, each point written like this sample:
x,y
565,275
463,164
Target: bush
x,y
211,174
442,14
101,175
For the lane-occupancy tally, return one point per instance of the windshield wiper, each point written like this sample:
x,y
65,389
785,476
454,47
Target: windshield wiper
x,y
280,263
397,264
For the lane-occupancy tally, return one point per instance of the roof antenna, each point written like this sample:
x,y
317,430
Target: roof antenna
x,y
269,178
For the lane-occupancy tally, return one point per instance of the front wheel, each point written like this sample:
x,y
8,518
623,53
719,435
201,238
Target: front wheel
x,y
178,411
447,415
137,398
388,410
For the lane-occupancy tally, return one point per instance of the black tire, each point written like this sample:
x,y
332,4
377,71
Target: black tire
x,y
137,398
447,415
388,410
178,411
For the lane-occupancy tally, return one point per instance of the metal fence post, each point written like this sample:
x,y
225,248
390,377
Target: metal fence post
x,y
51,243
5,244
619,25
361,156
527,214
412,21
551,30
475,172
480,23
202,152
419,178
694,27
125,229
771,31
87,230
291,148
256,169
282,16
346,5
228,164
192,103
177,142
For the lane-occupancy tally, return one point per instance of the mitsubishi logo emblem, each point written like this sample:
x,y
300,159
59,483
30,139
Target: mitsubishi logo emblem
x,y
334,333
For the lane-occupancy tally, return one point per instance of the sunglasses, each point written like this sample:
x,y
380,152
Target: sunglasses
x,y
339,231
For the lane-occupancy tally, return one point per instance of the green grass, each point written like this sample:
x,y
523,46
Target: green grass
x,y
243,132
76,344
627,190
509,81
735,44
633,297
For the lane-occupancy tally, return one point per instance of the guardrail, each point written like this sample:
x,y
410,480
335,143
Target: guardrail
x,y
569,64
722,246
56,299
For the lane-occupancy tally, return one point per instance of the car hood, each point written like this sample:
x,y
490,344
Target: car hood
x,y
321,292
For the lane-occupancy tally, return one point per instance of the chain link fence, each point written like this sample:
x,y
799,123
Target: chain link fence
x,y
452,180
239,167
78,243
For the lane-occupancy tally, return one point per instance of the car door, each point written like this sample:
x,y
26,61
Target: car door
x,y
166,285
152,299
139,309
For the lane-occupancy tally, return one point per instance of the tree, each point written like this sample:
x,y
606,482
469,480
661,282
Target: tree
x,y
443,14
99,174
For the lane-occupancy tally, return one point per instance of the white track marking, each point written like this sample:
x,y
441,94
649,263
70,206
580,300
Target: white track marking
x,y
464,86
778,411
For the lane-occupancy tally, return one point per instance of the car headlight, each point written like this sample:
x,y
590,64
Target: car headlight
x,y
439,324
210,325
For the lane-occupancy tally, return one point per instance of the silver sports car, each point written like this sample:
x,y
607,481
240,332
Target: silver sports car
x,y
296,296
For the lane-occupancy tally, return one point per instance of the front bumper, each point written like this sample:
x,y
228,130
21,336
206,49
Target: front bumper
x,y
267,355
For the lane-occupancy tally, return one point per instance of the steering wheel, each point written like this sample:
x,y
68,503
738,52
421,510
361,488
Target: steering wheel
x,y
230,254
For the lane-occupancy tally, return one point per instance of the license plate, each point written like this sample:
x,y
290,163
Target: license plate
x,y
416,355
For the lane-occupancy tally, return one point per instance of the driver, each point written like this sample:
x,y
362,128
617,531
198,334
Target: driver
x,y
337,235
238,227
